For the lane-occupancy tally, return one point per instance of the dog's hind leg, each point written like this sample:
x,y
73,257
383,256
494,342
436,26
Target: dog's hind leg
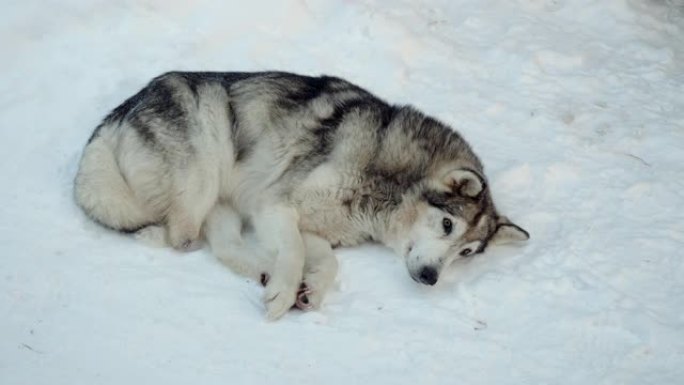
x,y
222,231
197,180
194,196
103,192
320,269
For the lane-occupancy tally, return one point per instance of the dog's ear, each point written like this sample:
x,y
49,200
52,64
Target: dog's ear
x,y
508,232
463,181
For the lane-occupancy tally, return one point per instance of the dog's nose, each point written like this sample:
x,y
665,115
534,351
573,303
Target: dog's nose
x,y
428,275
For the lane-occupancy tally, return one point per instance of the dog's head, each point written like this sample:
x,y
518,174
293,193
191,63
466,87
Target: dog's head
x,y
452,217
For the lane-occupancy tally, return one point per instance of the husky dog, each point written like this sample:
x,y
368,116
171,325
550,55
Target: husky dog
x,y
310,163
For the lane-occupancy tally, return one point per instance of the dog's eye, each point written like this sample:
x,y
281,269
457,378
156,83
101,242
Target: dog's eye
x,y
465,252
448,226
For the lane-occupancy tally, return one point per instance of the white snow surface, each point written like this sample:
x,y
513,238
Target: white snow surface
x,y
575,107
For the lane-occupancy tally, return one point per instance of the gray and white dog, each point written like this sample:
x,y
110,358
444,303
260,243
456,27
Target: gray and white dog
x,y
309,162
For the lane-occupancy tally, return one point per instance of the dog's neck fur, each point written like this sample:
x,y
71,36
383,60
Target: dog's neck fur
x,y
386,216
372,197
390,226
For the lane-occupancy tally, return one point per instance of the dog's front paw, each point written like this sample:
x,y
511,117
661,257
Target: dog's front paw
x,y
307,299
279,297
315,286
310,296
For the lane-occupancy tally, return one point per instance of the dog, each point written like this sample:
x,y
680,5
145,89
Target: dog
x,y
306,163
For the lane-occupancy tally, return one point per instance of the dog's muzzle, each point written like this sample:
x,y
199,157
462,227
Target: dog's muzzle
x,y
427,275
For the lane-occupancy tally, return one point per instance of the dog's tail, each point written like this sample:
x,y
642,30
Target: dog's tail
x,y
102,191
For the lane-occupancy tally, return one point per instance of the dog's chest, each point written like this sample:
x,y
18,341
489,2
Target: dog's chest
x,y
326,204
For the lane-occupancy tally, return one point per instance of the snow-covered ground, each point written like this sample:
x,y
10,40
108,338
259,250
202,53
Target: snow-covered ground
x,y
575,107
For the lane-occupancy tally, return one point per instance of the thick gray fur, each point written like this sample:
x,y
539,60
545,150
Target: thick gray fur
x,y
317,158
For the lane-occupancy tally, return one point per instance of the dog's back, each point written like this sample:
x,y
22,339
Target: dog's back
x,y
187,139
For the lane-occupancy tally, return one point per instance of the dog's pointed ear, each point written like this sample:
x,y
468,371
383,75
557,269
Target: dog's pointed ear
x,y
508,232
463,181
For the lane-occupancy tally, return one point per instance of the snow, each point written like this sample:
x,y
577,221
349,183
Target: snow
x,y
575,107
